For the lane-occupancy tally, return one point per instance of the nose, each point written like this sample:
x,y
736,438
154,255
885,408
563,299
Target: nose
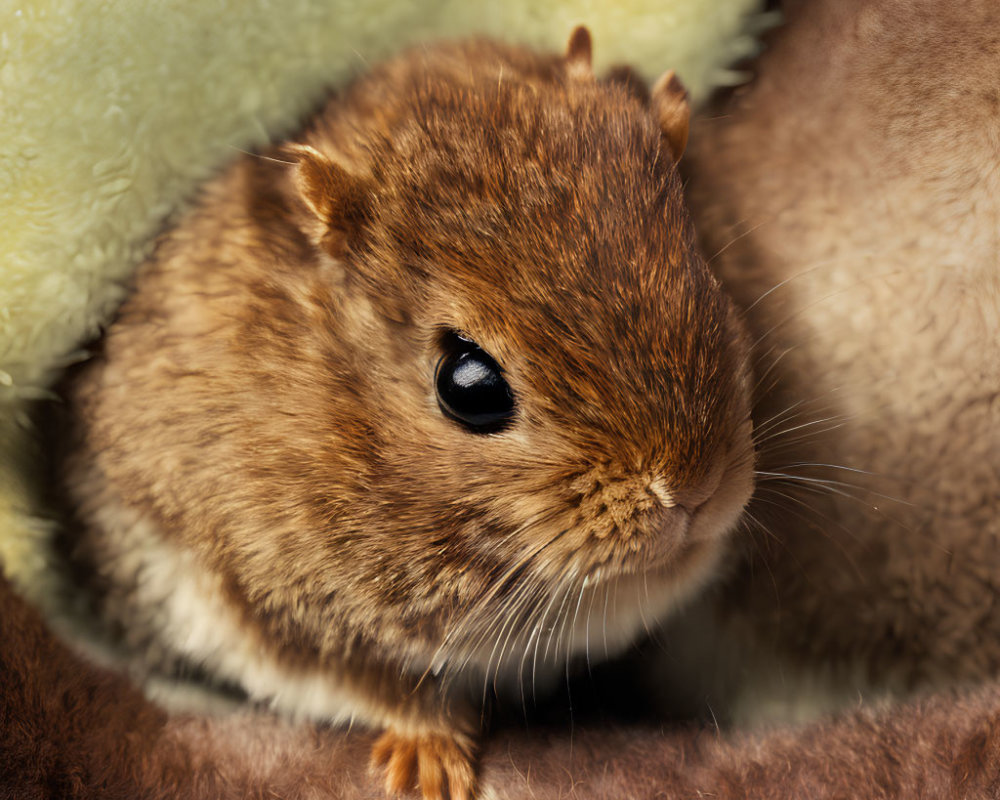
x,y
697,492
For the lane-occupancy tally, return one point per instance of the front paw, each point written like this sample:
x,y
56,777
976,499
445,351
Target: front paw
x,y
434,763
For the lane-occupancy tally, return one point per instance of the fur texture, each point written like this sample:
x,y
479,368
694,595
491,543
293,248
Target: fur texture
x,y
261,429
861,237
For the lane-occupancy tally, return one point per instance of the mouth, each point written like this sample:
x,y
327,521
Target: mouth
x,y
715,517
675,533
621,599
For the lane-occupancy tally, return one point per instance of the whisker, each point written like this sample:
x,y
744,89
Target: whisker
x,y
767,564
823,490
812,521
802,273
839,420
509,626
830,484
572,627
770,367
572,633
590,616
763,426
809,306
485,606
562,625
829,466
260,156
735,239
604,627
778,442
561,587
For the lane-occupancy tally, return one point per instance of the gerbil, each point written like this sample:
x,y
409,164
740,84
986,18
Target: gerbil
x,y
440,393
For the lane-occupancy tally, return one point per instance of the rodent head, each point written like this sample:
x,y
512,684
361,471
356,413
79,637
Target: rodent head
x,y
468,196
512,203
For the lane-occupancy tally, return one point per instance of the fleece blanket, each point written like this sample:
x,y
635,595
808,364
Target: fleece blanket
x,y
113,112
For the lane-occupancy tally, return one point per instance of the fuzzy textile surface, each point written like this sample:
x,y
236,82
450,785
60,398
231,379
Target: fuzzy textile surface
x,y
113,112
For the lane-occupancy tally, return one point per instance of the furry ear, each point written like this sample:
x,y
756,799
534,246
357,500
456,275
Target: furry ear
x,y
669,101
579,54
336,198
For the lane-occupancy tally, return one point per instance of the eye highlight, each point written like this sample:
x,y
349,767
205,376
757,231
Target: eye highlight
x,y
471,388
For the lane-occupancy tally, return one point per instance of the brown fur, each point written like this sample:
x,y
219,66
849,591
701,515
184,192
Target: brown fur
x,y
862,239
262,419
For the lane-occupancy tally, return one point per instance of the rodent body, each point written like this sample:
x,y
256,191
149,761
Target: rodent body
x,y
267,483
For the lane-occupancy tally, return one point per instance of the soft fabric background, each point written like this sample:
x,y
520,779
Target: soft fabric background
x,y
111,113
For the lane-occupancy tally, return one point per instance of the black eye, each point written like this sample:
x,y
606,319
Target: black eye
x,y
471,388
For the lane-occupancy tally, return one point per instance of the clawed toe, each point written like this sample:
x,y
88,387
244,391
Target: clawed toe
x,y
439,765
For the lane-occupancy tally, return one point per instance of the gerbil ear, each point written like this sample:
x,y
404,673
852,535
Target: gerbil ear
x,y
578,54
669,101
334,196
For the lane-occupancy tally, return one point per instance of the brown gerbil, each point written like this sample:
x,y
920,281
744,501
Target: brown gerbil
x,y
441,393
